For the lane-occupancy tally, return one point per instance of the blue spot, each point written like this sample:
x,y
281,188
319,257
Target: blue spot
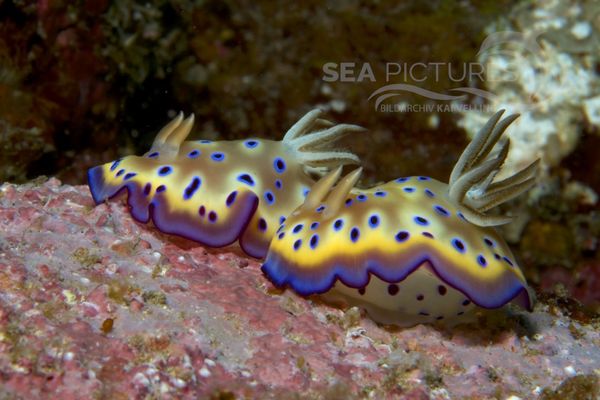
x,y
262,224
481,260
429,193
192,187
348,202
424,178
361,197
441,210
297,244
461,216
153,155
314,241
281,235
281,220
421,221
193,154
320,208
147,188
129,176
165,170
489,242
305,191
459,245
115,165
120,172
338,224
269,197
409,189
374,221
280,228
279,165
402,236
354,234
217,156
314,225
246,178
497,256
508,261
297,228
427,234
205,141
212,216
278,183
402,180
202,211
381,194
161,188
251,143
231,198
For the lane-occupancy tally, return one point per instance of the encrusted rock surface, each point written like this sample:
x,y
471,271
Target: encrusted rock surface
x,y
95,305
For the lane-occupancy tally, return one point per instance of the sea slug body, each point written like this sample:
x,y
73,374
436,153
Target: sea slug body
x,y
217,192
413,250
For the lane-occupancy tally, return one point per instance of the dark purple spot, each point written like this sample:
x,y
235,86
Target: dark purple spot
x,y
338,224
115,165
401,180
212,216
423,313
361,291
393,289
193,154
314,241
508,261
458,245
120,172
374,221
192,188
361,197
348,202
281,235
429,193
461,216
154,154
354,234
421,221
297,244
460,313
147,188
381,194
489,242
497,256
246,178
217,156
441,210
420,297
231,198
202,211
165,170
466,302
262,224
314,225
402,236
427,234
161,188
297,228
481,260
279,165
281,220
205,141
320,209
424,178
278,183
409,189
442,290
129,175
440,317
251,144
269,197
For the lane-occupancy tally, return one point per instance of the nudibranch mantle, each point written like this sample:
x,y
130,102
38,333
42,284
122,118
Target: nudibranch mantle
x,y
406,250
216,192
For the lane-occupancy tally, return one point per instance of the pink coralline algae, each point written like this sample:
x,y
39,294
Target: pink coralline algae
x,y
95,305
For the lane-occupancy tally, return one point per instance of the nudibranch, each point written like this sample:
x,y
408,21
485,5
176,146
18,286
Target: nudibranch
x,y
217,192
413,250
